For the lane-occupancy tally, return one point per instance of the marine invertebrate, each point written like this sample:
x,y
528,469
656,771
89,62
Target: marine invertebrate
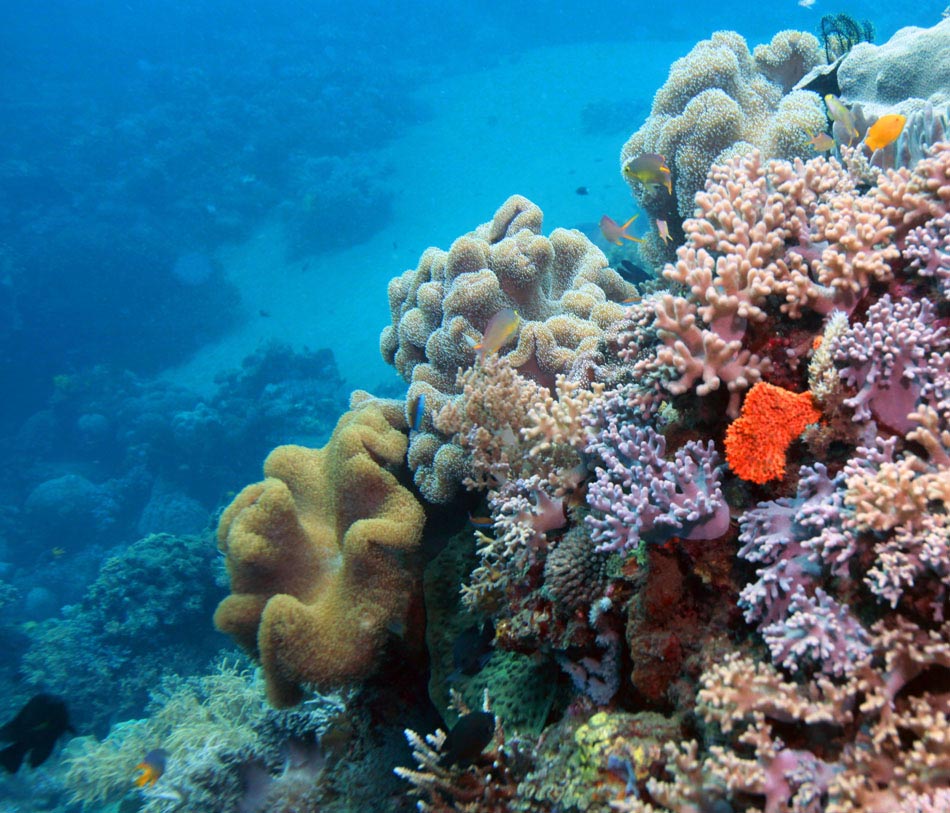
x,y
719,98
560,286
639,494
885,359
770,420
841,32
321,556
795,541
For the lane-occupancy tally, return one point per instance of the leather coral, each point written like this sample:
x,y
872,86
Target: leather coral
x,y
322,557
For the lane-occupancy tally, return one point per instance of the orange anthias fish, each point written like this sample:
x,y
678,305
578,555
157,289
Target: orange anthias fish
x,y
152,767
502,326
615,233
650,169
822,142
663,229
885,131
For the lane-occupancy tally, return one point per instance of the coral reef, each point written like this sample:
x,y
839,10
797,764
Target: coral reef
x,y
322,558
560,286
718,100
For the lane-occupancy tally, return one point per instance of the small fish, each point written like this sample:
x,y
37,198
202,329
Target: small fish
x,y
615,233
152,767
806,3
822,142
34,731
631,272
663,229
416,412
468,738
472,649
57,552
581,190
481,522
650,169
885,131
839,113
502,326
265,314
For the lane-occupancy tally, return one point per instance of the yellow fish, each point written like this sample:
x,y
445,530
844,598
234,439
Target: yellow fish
x,y
650,169
822,142
885,131
615,233
839,113
502,326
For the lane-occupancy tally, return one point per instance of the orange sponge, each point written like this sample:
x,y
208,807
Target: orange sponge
x,y
758,440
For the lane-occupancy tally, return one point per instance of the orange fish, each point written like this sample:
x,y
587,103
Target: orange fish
x,y
650,169
502,326
152,767
663,229
615,233
822,142
885,131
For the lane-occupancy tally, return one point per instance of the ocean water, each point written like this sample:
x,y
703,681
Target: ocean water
x,y
201,206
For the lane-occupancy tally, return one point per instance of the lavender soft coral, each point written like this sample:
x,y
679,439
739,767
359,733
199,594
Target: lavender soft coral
x,y
885,359
639,494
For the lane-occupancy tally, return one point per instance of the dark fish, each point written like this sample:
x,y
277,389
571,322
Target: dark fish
x,y
34,731
468,738
472,649
151,767
632,273
581,190
265,314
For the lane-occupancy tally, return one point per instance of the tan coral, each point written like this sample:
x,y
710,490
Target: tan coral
x,y
321,557
717,101
561,286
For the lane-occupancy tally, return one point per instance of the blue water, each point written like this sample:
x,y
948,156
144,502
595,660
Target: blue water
x,y
201,204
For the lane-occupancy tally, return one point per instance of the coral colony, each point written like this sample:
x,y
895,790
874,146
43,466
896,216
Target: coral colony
x,y
715,550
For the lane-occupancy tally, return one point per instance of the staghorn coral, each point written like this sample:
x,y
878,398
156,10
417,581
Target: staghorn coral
x,y
321,556
770,420
560,285
718,100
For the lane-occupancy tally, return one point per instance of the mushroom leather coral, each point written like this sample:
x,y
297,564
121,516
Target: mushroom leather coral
x,y
322,557
758,440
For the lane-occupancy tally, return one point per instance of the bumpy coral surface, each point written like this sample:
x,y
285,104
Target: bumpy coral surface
x,y
560,286
718,100
321,556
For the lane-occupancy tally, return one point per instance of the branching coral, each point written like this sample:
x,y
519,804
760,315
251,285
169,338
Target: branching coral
x,y
639,494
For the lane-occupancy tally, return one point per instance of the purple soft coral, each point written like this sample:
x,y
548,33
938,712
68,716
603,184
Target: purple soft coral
x,y
639,494
796,540
885,359
928,249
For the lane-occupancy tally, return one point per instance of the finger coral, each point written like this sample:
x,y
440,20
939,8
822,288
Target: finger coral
x,y
321,556
770,420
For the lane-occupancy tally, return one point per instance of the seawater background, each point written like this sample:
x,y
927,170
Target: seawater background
x,y
136,133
